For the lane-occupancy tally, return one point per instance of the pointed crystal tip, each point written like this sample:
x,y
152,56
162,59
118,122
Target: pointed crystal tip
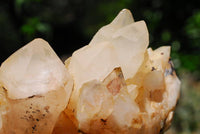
x,y
123,18
34,69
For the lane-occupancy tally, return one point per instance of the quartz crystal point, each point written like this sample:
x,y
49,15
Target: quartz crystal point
x,y
120,85
34,89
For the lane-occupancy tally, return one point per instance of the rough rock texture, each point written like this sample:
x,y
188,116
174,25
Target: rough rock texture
x,y
120,86
34,89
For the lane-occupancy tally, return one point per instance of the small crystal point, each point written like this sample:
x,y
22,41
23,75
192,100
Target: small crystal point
x,y
123,19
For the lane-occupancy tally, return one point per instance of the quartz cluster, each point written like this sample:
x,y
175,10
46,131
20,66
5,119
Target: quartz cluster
x,y
113,85
120,85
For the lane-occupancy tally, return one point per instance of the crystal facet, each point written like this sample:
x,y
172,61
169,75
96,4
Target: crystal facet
x,y
35,88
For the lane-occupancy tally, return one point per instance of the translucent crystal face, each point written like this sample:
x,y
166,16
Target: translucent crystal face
x,y
34,89
120,86
119,44
32,70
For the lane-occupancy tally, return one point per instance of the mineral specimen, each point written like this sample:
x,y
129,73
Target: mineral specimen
x,y
35,88
120,86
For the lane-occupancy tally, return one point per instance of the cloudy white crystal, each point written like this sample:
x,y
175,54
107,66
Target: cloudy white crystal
x,y
119,44
32,70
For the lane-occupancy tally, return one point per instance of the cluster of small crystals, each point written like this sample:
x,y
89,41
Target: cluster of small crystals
x,y
120,86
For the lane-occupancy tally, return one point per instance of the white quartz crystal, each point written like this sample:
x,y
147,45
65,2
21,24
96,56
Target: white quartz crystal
x,y
123,19
32,70
35,88
119,44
